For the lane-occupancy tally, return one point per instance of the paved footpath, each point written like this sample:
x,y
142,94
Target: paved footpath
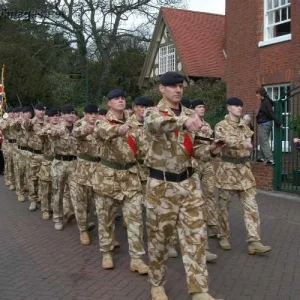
x,y
39,263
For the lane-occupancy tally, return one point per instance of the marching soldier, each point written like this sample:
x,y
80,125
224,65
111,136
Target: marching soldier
x,y
116,182
81,190
45,179
234,176
8,143
35,152
21,152
65,149
173,197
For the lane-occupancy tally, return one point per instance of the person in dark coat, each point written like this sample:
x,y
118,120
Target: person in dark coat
x,y
265,119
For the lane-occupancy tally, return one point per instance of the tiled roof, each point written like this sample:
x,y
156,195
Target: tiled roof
x,y
199,39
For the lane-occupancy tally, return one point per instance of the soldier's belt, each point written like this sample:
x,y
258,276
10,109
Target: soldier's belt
x,y
236,160
65,157
34,151
89,157
173,177
50,158
22,147
12,141
116,166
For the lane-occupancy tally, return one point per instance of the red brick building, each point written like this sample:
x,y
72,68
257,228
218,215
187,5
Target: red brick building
x,y
262,47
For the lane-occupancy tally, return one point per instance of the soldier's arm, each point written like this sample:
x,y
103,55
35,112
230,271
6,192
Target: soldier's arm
x,y
106,131
80,131
28,124
231,141
156,123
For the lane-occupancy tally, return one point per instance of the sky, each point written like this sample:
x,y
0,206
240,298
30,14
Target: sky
x,y
212,6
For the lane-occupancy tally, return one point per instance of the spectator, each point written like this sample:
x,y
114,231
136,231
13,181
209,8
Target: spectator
x,y
1,155
265,118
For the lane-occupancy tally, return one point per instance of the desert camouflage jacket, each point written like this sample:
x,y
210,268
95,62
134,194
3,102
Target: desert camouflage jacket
x,y
167,150
34,128
231,174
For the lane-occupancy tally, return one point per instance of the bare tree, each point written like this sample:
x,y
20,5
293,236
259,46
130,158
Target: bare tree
x,y
100,25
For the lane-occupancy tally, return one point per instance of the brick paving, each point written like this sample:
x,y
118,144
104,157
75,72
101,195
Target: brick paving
x,y
39,263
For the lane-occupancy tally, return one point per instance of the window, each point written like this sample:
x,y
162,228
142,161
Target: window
x,y
166,59
277,23
278,17
276,92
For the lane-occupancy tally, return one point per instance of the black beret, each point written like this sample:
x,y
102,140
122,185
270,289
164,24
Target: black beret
x,y
102,111
26,109
128,105
67,109
52,112
91,108
115,94
16,110
39,106
197,102
143,101
171,78
234,101
185,102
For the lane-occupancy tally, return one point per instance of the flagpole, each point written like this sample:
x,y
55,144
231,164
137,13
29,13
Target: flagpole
x,y
3,91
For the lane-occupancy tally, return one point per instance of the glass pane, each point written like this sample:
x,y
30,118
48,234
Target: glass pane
x,y
275,93
276,3
289,12
284,16
269,4
283,2
271,16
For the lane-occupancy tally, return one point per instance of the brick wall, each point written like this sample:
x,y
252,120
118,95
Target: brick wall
x,y
249,66
263,175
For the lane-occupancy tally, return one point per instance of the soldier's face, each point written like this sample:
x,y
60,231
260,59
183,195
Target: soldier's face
x,y
39,113
27,115
172,93
139,110
54,120
234,110
91,117
69,118
101,117
200,110
117,104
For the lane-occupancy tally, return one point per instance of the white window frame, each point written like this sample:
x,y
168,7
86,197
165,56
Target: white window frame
x,y
286,144
268,27
167,59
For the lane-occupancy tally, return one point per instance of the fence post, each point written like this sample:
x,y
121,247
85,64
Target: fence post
x,y
277,177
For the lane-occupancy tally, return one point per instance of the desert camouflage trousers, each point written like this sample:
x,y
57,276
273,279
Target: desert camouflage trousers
x,y
179,205
251,214
61,201
132,212
34,162
21,157
207,178
81,196
9,174
45,186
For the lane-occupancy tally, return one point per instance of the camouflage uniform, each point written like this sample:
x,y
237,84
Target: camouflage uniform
x,y
173,204
234,175
21,155
207,177
81,190
8,147
116,181
34,129
63,165
45,179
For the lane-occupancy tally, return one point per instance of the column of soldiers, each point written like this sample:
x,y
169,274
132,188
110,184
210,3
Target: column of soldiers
x,y
161,160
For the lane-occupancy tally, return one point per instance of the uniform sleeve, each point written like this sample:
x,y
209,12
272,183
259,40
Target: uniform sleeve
x,y
80,131
231,141
156,123
105,131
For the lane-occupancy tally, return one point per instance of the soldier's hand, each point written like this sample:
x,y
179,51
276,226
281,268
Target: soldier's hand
x,y
123,129
248,146
217,146
193,124
204,128
90,128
